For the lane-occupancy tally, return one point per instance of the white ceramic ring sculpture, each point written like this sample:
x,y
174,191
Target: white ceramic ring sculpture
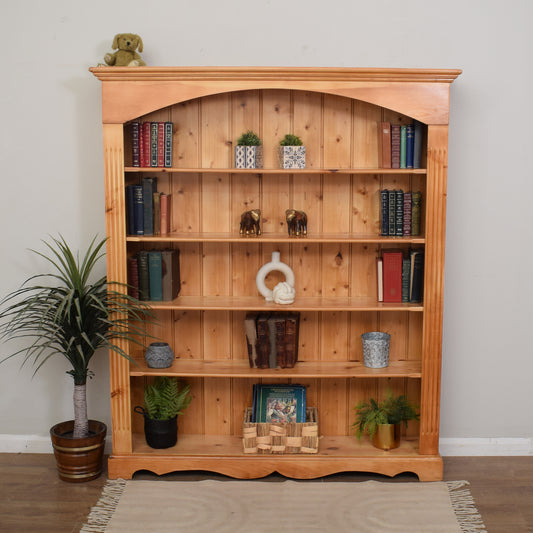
x,y
283,292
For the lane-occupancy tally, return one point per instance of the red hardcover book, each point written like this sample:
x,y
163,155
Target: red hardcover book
x,y
385,145
392,275
161,144
146,144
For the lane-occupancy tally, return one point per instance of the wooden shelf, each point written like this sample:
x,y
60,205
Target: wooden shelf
x,y
254,303
279,170
278,238
303,369
223,454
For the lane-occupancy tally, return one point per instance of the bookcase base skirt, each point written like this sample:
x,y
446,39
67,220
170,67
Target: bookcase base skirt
x,y
224,455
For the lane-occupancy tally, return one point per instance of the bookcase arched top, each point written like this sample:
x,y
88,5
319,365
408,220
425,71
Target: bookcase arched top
x,y
129,93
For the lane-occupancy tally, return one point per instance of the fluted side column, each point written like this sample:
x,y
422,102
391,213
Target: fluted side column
x,y
115,216
437,166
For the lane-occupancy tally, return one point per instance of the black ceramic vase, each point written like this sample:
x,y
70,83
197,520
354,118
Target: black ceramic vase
x,y
159,433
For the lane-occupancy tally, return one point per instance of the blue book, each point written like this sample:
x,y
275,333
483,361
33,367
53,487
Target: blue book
x,y
410,146
137,210
155,272
417,149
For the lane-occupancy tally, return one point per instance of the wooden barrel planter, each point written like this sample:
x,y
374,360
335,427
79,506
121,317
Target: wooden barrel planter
x,y
78,460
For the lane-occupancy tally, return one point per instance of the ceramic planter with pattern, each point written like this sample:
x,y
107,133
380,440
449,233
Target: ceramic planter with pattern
x,y
291,156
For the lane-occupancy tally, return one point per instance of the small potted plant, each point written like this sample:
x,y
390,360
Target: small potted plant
x,y
164,400
382,420
68,313
249,151
291,152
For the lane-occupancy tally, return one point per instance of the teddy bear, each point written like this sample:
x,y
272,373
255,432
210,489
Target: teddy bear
x,y
125,56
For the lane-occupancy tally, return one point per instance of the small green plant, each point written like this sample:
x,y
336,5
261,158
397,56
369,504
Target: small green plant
x,y
291,140
249,139
164,400
392,410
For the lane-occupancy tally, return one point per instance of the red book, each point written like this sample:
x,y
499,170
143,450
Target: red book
x,y
160,144
392,275
146,144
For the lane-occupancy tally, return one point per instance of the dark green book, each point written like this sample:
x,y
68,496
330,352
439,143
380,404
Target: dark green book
x,y
144,276
280,403
155,269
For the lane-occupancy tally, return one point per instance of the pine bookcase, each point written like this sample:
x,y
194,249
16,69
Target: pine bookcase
x,y
337,112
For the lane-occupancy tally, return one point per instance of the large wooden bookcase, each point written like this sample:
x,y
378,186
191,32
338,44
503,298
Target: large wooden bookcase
x,y
337,112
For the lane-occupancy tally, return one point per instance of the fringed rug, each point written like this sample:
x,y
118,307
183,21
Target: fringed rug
x,y
289,506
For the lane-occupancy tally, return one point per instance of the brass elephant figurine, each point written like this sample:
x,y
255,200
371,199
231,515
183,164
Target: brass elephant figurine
x,y
296,222
250,222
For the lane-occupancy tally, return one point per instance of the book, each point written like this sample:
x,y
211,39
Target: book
x,y
417,145
250,330
384,212
144,275
276,330
395,145
292,329
392,212
155,269
157,213
135,145
407,214
149,187
406,279
385,145
130,213
154,138
399,214
416,275
137,210
133,277
416,207
170,274
168,144
403,146
147,143
280,403
379,275
410,144
164,206
392,275
262,344
160,144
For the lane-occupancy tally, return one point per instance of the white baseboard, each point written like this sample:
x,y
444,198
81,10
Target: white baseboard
x,y
448,447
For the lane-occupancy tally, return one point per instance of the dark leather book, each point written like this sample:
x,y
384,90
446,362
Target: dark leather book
x,y
133,277
262,346
399,213
149,187
406,214
384,212
135,146
168,144
417,276
416,209
410,146
292,327
155,270
171,279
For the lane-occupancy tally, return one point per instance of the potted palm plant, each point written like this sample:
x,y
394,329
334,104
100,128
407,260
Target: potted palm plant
x,y
164,400
67,313
291,152
382,420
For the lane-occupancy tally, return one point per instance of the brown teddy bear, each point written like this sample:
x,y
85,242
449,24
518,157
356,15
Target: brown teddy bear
x,y
125,56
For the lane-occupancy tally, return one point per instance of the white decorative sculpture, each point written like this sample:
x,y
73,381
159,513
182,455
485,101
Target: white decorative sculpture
x,y
283,292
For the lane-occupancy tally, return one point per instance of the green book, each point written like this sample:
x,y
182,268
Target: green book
x,y
280,403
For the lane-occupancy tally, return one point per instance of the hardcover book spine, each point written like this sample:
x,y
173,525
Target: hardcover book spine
x,y
395,145
386,161
157,213
392,213
281,352
384,212
144,276
417,148
130,210
417,276
154,131
399,213
149,188
155,270
142,155
272,337
135,148
147,142
263,342
406,278
403,146
392,276
407,214
292,327
416,201
171,279
168,144
164,205
133,277
379,277
138,210
410,145
160,144
250,330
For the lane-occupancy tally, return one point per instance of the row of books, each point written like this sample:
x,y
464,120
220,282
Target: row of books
x,y
400,212
278,403
154,275
151,144
400,276
401,145
272,339
147,211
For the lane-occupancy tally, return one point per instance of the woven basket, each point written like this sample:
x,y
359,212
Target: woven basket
x,y
277,438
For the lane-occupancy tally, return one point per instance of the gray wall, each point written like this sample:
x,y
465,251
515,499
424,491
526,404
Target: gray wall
x,y
49,101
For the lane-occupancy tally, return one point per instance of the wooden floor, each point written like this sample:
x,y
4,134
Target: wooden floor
x,y
32,498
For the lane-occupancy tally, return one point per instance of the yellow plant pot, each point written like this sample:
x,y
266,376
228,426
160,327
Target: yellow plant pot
x,y
387,436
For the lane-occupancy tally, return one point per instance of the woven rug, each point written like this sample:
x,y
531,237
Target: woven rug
x,y
289,506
